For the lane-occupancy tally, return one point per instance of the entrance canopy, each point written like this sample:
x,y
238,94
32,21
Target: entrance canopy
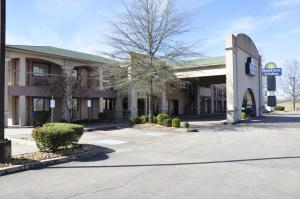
x,y
205,67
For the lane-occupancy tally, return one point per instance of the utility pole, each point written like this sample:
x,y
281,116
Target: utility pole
x,y
2,69
294,91
5,145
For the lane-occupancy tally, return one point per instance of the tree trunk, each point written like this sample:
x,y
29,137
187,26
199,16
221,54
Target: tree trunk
x,y
150,103
294,103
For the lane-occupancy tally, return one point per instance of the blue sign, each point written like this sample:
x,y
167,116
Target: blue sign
x,y
251,69
271,71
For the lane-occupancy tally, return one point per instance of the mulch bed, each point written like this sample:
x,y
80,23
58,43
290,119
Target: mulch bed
x,y
38,156
150,126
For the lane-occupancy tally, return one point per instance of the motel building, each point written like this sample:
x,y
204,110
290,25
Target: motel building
x,y
217,85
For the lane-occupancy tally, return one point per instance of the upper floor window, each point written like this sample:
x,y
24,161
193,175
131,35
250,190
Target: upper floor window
x,y
40,69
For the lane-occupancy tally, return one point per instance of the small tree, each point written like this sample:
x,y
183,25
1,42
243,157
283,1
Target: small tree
x,y
144,39
68,86
290,81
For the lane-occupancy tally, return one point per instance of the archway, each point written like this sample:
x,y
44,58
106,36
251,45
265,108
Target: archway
x,y
249,104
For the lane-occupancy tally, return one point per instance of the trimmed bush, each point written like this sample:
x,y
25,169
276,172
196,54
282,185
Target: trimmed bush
x,y
243,116
54,136
144,119
40,118
134,120
154,119
186,125
161,118
176,123
279,108
167,122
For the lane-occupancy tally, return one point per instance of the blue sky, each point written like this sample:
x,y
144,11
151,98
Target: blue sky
x,y
81,25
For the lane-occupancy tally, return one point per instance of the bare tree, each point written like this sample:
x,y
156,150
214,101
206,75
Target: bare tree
x,y
145,40
68,86
290,82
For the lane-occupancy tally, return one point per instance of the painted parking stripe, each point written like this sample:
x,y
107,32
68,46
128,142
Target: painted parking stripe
x,y
108,142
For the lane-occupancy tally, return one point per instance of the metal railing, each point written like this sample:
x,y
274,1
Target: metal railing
x,y
90,83
41,79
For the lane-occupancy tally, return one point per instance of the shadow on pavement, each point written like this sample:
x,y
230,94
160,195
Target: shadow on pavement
x,y
179,164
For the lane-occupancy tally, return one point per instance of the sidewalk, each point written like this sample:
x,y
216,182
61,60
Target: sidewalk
x,y
22,141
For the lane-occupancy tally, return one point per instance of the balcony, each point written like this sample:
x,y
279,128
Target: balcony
x,y
90,83
42,79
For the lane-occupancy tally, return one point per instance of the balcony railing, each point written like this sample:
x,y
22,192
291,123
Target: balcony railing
x,y
90,83
42,79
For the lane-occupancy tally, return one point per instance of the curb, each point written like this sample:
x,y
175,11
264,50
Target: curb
x,y
49,162
22,141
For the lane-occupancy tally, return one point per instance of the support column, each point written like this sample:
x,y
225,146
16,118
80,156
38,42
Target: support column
x,y
22,71
22,99
133,102
100,87
6,94
164,102
233,113
119,108
198,102
212,100
22,111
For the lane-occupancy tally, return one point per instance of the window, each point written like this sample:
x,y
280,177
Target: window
x,y
41,104
40,69
75,104
109,103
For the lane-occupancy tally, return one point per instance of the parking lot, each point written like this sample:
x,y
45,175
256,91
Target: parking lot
x,y
257,159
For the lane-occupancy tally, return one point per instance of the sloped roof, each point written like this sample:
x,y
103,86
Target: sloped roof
x,y
203,62
61,52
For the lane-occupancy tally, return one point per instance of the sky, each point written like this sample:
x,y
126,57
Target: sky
x,y
82,25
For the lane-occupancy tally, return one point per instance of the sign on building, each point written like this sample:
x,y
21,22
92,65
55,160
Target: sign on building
x,y
251,69
89,103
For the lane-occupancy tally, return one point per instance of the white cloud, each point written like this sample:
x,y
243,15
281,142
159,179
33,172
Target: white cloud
x,y
278,3
282,15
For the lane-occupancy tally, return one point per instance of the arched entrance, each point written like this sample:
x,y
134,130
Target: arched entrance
x,y
249,104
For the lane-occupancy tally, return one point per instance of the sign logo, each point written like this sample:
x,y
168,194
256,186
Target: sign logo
x,y
271,70
251,69
271,65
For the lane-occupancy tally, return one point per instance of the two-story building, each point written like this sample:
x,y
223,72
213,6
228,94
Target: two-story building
x,y
34,75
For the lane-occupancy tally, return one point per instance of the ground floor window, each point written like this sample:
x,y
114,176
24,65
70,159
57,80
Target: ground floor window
x,y
41,104
75,104
109,104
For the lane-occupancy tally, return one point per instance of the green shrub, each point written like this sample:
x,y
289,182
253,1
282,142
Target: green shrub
x,y
40,118
176,123
154,119
144,119
161,118
186,125
134,120
167,122
54,136
243,116
279,108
